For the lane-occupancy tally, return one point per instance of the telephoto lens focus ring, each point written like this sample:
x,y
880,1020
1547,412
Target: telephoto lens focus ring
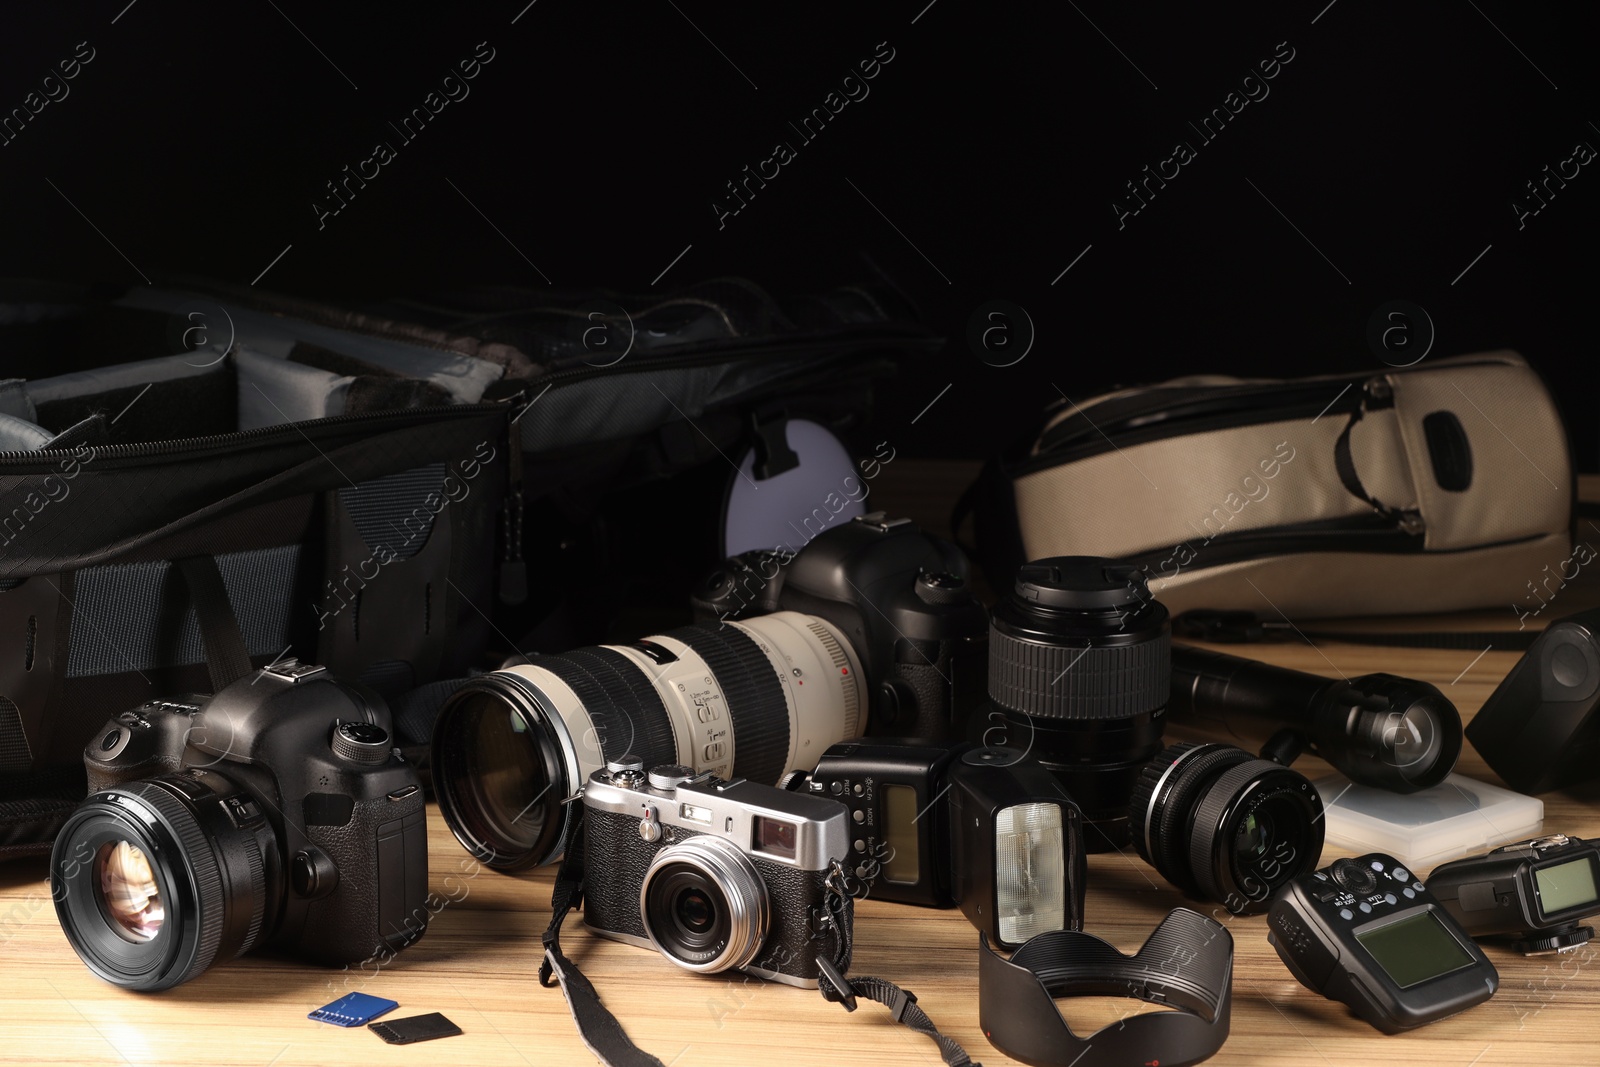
x,y
608,686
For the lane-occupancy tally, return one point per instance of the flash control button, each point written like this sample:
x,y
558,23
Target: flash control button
x,y
1353,876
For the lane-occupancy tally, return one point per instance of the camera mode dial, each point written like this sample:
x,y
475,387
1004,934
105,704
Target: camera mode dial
x,y
365,743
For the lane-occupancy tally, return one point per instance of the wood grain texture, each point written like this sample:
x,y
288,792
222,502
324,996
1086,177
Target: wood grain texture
x,y
479,960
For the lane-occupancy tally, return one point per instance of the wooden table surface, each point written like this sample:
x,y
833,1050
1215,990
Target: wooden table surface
x,y
479,960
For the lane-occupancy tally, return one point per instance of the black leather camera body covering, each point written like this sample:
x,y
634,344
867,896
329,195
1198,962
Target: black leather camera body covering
x,y
902,599
342,826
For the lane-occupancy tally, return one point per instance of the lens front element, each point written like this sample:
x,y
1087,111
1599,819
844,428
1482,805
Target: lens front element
x,y
127,888
704,905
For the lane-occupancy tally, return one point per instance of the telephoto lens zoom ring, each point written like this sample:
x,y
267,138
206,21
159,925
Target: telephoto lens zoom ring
x,y
202,864
608,683
1079,682
757,707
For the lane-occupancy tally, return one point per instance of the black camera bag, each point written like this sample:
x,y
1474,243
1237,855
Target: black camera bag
x,y
383,490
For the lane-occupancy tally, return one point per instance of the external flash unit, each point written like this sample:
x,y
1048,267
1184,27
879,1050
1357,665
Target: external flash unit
x,y
956,826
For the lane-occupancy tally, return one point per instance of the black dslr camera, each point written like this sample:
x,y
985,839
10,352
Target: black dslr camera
x,y
1534,892
275,813
899,596
954,825
715,875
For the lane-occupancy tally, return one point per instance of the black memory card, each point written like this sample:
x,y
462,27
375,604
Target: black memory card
x,y
413,1029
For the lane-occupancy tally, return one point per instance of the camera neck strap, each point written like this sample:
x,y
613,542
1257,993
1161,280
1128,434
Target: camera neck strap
x,y
603,1034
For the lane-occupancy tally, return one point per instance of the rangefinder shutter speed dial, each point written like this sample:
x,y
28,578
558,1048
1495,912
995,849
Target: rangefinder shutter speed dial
x,y
365,743
668,775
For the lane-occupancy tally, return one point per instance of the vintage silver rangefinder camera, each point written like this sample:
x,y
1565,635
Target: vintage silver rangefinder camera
x,y
715,875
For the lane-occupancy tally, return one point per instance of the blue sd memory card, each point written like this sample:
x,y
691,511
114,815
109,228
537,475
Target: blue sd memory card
x,y
353,1009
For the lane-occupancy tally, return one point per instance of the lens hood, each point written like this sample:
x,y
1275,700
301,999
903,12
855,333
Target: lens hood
x,y
1187,964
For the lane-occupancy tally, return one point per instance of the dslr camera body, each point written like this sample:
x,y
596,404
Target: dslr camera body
x,y
275,813
899,596
715,875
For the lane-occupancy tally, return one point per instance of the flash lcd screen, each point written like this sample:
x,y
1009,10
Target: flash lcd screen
x,y
1415,950
902,865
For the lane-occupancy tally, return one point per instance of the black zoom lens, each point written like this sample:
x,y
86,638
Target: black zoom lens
x,y
1222,825
153,882
1080,668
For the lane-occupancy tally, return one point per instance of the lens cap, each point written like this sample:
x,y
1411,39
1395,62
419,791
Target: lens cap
x,y
1081,583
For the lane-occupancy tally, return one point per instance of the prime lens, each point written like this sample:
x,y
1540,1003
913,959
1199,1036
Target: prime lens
x,y
154,882
1080,668
754,699
1222,825
704,905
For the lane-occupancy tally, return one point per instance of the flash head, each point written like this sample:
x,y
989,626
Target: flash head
x,y
946,825
1017,847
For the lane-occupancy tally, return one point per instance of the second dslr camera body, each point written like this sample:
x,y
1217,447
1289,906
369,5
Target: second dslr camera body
x,y
275,813
899,596
715,875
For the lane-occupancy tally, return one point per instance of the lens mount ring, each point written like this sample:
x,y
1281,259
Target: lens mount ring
x,y
742,889
1241,790
1146,807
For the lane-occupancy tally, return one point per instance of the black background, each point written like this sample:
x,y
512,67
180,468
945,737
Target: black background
x,y
985,160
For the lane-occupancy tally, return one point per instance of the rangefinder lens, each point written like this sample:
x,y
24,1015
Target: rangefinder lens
x,y
127,890
704,906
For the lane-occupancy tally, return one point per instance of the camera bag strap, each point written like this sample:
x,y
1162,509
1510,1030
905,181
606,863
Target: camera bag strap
x,y
603,1034
227,658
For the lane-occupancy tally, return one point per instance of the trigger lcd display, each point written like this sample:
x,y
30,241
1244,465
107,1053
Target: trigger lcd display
x,y
1415,950
1566,885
